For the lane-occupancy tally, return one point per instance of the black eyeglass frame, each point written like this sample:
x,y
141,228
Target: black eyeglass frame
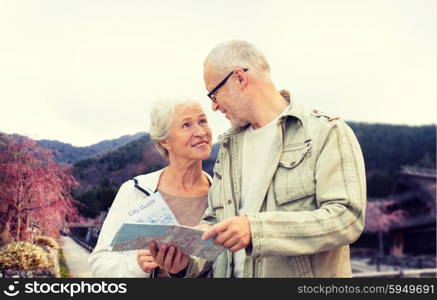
x,y
222,83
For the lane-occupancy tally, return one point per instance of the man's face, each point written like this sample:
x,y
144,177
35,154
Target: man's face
x,y
229,99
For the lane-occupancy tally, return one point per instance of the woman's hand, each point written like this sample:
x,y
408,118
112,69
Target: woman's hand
x,y
169,258
146,261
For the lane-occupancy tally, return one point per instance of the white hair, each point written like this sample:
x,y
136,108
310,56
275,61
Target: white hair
x,y
161,117
229,55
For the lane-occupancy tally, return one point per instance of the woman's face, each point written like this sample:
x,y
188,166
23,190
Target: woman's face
x,y
189,135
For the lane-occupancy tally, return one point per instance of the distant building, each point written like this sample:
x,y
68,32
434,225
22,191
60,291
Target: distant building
x,y
414,193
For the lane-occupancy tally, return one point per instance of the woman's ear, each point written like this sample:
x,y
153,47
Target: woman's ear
x,y
164,144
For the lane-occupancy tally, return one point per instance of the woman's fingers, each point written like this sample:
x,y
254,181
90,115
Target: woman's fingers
x,y
178,257
153,249
160,257
146,261
148,267
168,262
143,252
168,258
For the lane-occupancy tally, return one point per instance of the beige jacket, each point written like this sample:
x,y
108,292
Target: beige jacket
x,y
313,206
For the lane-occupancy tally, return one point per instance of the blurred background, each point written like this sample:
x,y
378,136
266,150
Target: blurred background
x,y
78,79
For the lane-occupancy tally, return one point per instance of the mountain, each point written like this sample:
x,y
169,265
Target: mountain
x,y
71,154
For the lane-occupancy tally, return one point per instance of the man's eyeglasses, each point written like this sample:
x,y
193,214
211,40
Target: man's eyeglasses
x,y
222,83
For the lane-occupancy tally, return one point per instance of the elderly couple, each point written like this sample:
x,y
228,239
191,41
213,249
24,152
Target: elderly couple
x,y
288,193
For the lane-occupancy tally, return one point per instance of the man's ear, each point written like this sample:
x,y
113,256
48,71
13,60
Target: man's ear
x,y
242,78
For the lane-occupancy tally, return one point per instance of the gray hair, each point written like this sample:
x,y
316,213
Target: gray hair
x,y
229,55
161,117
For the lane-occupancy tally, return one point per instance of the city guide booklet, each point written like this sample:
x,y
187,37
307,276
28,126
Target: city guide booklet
x,y
152,220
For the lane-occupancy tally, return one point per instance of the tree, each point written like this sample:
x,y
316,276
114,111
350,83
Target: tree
x,y
379,219
34,190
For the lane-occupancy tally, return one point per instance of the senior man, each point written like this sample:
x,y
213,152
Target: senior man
x,y
289,189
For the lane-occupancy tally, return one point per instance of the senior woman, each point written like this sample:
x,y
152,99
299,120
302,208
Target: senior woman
x,y
181,132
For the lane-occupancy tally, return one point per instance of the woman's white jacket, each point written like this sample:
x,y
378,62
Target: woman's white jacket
x,y
106,263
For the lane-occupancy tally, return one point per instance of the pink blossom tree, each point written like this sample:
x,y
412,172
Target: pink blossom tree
x,y
379,219
34,190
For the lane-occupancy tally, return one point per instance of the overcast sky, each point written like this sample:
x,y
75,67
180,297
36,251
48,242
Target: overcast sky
x,y
84,71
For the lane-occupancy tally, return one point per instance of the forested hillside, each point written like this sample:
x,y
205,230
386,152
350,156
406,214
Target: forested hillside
x,y
386,148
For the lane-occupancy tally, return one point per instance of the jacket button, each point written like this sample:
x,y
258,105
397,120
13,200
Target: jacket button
x,y
292,163
229,202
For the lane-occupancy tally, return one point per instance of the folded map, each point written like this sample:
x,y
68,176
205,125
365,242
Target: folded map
x,y
138,235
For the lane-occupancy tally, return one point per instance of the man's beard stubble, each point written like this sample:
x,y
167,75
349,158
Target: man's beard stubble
x,y
236,115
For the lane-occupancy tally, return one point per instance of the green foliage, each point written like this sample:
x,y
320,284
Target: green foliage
x,y
111,162
96,199
84,163
65,272
130,153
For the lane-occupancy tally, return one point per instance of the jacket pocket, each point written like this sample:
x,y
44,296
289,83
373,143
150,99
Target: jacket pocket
x,y
218,171
293,155
294,178
218,208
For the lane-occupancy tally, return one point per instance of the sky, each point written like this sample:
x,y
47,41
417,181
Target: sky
x,y
84,71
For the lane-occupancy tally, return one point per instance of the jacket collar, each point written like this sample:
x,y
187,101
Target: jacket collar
x,y
295,109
